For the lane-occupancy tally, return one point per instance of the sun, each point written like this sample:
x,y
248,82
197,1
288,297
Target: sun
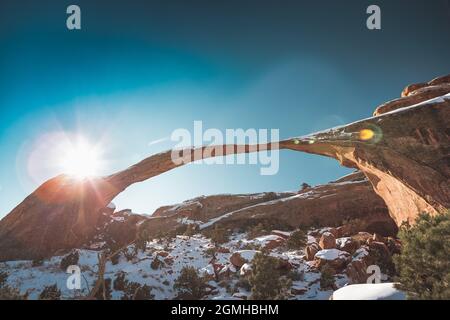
x,y
80,159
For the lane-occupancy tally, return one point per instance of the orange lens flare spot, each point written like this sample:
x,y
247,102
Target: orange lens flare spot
x,y
366,134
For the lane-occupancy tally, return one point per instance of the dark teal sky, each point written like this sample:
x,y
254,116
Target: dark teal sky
x,y
140,69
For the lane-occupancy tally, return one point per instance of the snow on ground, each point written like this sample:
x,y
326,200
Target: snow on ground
x,y
331,254
176,253
369,291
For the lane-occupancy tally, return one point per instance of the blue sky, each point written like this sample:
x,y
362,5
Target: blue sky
x,y
140,69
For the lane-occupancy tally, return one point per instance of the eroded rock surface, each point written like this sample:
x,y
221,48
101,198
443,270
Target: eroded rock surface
x,y
404,151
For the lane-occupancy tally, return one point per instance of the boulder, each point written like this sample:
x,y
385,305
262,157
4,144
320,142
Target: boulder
x,y
362,237
356,270
283,234
270,242
239,258
376,237
222,250
226,272
162,253
310,251
333,258
245,270
327,241
347,244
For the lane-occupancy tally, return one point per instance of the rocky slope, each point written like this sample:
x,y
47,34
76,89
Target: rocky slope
x,y
403,151
225,268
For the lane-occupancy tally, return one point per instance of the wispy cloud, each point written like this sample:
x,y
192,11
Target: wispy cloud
x,y
151,143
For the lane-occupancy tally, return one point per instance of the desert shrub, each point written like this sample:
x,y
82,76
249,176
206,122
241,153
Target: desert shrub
x,y
304,186
218,234
135,291
191,229
424,263
37,262
50,293
69,260
189,285
210,252
251,246
297,240
327,281
256,231
130,253
115,259
131,290
244,284
9,293
156,263
120,282
180,230
296,275
266,280
269,196
104,293
141,240
143,293
3,278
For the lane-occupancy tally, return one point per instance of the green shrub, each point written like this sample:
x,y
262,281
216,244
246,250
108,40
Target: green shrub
x,y
244,284
297,240
130,253
3,278
189,284
156,263
327,281
120,282
50,293
9,293
104,293
424,263
219,234
141,240
256,231
266,280
135,291
37,263
191,229
70,259
131,290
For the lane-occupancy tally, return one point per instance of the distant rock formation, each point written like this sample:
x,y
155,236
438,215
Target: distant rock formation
x,y
403,151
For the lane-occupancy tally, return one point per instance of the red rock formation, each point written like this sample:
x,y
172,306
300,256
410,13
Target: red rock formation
x,y
404,153
406,159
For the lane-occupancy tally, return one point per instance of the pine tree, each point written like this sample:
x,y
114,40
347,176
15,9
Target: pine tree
x,y
266,280
327,280
424,263
50,293
297,240
189,284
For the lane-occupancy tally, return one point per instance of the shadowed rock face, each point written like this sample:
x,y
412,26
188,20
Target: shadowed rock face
x,y
404,152
408,158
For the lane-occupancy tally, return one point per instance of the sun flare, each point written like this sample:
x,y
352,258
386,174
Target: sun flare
x,y
80,159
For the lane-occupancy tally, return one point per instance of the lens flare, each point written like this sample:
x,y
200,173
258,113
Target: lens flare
x,y
366,134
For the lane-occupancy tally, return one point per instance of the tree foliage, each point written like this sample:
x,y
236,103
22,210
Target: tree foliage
x,y
267,281
297,240
189,285
424,263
